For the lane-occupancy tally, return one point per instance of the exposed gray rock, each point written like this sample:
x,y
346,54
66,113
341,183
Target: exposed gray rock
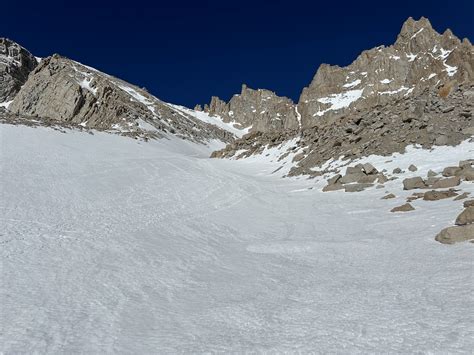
x,y
438,195
451,171
466,217
333,187
413,183
466,163
334,179
16,63
382,74
469,131
394,96
446,183
412,168
468,203
369,169
431,173
356,187
350,178
456,234
65,91
262,110
389,196
463,196
397,171
403,208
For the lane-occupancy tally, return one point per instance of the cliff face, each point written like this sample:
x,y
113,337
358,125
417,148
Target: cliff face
x,y
15,65
419,91
420,58
63,90
261,110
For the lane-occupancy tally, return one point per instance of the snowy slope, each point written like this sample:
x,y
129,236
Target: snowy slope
x,y
115,245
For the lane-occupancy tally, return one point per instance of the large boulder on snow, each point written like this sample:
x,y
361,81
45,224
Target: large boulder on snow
x,y
466,217
413,183
403,208
447,182
456,234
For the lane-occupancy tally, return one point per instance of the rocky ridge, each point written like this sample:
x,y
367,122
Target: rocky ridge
x,y
61,91
418,91
260,110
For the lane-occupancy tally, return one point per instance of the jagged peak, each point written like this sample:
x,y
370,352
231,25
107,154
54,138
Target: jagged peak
x,y
411,26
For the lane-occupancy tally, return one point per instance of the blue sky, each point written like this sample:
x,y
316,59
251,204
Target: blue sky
x,y
185,52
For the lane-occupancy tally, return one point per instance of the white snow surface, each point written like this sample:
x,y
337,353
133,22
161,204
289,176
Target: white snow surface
x,y
339,101
112,245
6,104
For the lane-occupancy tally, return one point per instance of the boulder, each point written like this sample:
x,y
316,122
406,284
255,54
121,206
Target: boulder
x,y
382,179
469,131
468,203
466,173
350,178
354,169
334,179
369,169
367,179
462,196
356,187
466,217
451,171
466,163
389,196
412,168
403,208
456,234
431,173
438,195
446,183
333,187
431,180
413,183
397,171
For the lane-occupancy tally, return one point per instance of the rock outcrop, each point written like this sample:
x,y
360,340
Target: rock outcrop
x,y
260,110
419,58
63,90
418,91
16,63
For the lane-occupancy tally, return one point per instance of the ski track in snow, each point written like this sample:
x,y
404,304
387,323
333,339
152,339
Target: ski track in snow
x,y
113,245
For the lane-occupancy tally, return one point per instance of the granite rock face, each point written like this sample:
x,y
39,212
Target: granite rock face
x,y
418,91
260,110
420,58
16,63
63,90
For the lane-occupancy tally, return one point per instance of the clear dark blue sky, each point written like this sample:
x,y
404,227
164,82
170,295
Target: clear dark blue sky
x,y
186,51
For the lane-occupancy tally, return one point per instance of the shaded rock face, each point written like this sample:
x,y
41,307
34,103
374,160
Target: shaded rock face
x,y
16,63
262,110
64,90
420,57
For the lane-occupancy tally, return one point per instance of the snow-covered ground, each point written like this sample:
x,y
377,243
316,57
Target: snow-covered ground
x,y
115,245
